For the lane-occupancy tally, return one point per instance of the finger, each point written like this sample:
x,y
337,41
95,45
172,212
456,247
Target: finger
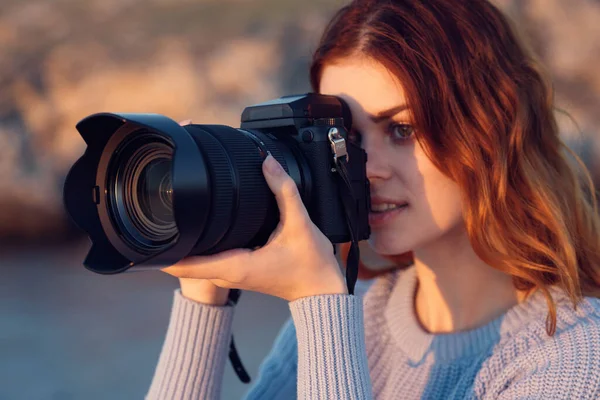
x,y
230,265
284,188
185,122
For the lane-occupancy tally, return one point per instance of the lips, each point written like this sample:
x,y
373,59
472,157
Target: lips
x,y
382,218
385,207
380,205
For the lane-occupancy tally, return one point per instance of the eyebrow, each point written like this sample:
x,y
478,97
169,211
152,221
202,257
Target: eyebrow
x,y
383,115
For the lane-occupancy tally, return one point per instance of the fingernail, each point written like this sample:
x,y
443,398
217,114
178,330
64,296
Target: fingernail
x,y
273,167
185,122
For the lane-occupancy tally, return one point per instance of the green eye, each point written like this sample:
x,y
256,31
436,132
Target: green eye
x,y
401,132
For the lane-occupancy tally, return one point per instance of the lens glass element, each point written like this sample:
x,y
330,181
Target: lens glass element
x,y
141,199
155,192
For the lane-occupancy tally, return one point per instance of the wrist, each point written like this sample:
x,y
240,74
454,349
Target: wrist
x,y
203,291
332,289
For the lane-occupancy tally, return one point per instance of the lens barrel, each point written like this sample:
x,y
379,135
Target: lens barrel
x,y
243,208
162,192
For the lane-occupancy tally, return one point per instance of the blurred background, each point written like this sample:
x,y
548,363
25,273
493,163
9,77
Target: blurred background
x,y
66,333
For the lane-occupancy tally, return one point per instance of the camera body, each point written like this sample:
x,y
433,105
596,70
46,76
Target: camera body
x,y
304,122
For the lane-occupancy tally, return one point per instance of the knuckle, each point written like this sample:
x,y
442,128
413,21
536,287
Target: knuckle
x,y
304,224
299,228
289,189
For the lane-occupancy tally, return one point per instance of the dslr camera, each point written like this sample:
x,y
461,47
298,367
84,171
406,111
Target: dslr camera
x,y
149,192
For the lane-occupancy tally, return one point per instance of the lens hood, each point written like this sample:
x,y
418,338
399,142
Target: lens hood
x,y
85,192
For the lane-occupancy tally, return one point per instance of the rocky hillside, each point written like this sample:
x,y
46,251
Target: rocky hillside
x,y
61,60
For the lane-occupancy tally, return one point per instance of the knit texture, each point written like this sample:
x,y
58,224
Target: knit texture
x,y
192,361
371,346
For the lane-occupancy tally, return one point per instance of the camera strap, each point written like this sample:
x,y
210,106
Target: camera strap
x,y
236,362
350,204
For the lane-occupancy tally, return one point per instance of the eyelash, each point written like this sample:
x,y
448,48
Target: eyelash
x,y
394,125
356,137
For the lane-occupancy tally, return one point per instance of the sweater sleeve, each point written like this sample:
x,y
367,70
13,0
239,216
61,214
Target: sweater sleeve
x,y
332,360
277,373
192,361
564,367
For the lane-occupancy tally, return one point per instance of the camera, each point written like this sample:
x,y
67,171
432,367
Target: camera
x,y
149,192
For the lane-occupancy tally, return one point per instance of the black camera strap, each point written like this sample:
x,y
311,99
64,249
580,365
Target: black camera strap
x,y
350,204
236,362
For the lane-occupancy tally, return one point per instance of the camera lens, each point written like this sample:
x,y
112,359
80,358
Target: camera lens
x,y
150,192
141,192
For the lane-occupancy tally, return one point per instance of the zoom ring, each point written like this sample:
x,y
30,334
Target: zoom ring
x,y
253,193
221,190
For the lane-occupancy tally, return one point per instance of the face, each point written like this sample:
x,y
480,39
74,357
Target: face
x,y
398,169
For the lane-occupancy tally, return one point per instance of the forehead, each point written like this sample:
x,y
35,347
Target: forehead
x,y
366,85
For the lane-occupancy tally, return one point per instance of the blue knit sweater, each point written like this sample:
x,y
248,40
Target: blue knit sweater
x,y
371,346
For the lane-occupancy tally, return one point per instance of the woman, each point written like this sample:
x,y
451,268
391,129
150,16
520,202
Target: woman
x,y
469,174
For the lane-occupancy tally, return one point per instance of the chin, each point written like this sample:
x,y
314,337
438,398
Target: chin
x,y
387,246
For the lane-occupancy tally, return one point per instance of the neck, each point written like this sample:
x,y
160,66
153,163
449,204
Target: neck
x,y
456,290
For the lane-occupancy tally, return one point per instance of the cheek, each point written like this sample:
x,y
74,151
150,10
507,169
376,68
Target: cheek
x,y
436,208
439,197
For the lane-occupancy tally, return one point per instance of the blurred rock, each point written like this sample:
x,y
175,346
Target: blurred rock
x,y
205,60
94,60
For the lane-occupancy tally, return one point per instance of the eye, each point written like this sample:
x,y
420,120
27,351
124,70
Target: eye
x,y
401,132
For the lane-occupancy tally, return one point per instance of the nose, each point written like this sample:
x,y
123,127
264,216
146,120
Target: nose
x,y
378,162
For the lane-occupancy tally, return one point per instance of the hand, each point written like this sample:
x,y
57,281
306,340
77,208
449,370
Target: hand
x,y
297,260
203,291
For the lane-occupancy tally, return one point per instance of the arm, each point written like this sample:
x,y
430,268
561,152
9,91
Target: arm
x,y
193,357
284,268
326,352
332,360
565,367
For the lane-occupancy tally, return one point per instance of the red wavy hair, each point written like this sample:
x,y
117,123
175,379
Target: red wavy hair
x,y
531,208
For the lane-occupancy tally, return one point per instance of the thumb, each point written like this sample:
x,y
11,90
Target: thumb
x,y
284,188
